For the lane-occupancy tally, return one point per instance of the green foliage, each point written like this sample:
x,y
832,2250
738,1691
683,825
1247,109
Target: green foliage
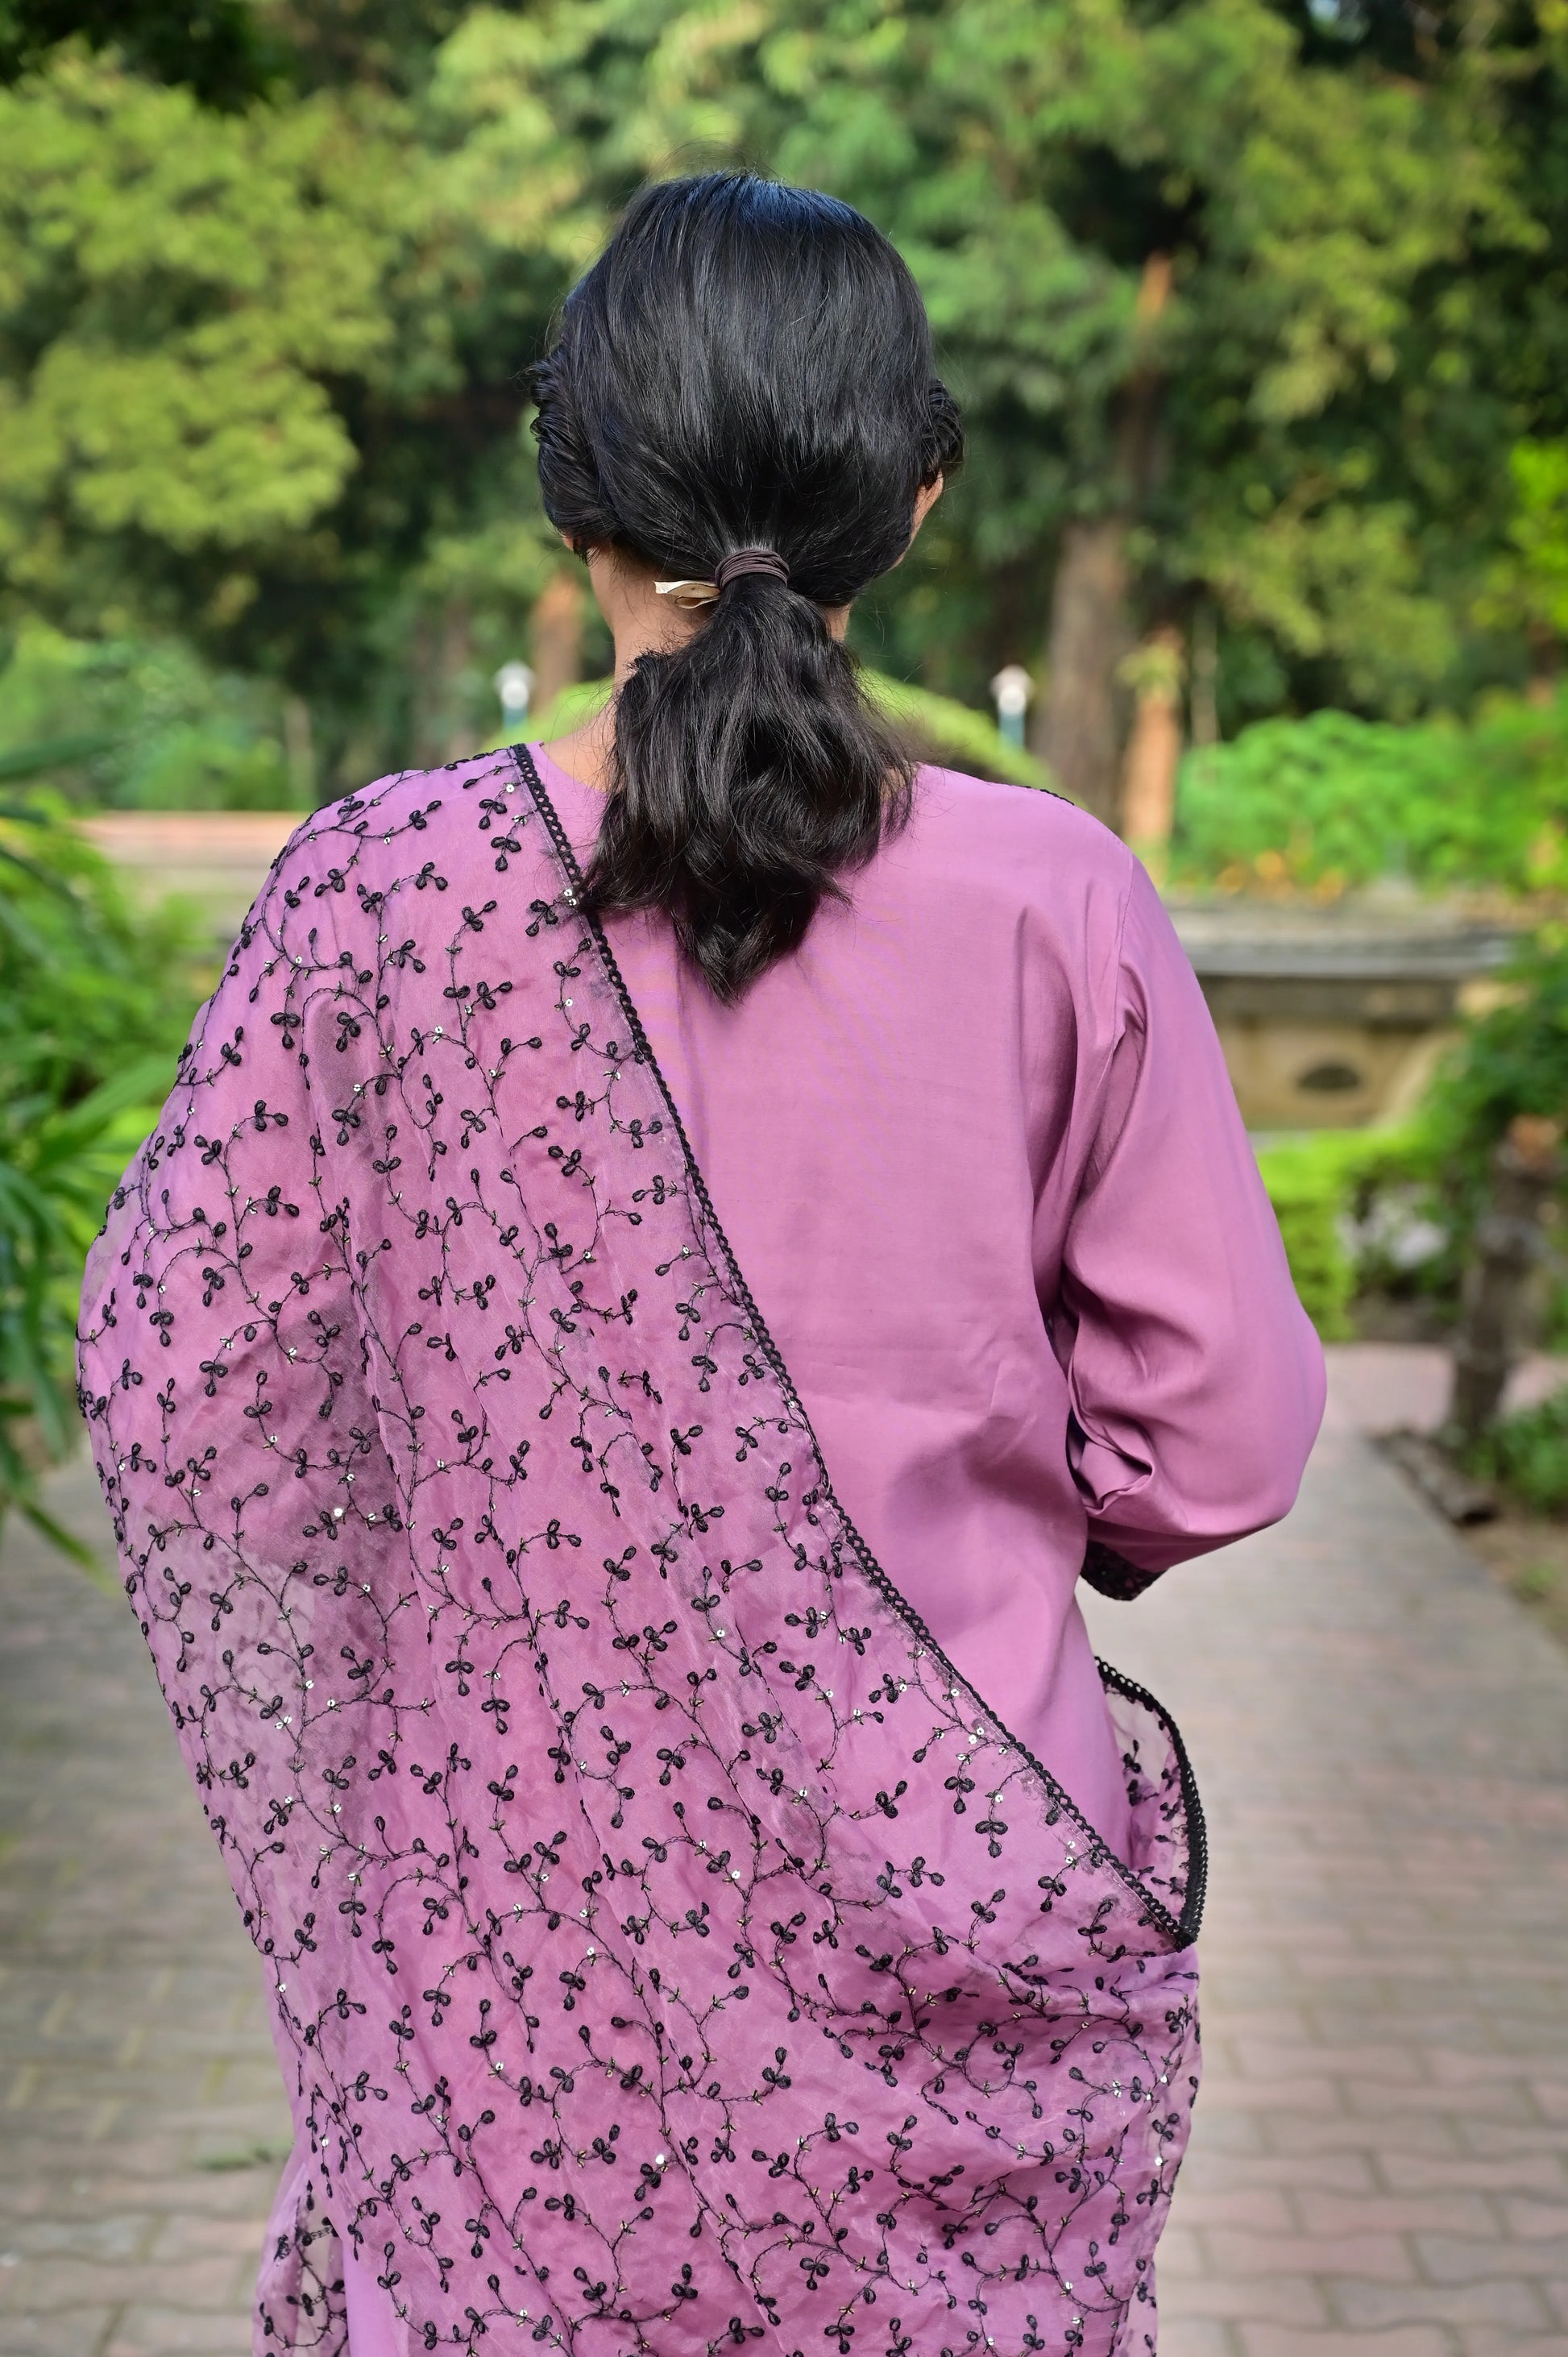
x,y
1308,1204
1320,1184
214,46
259,370
1433,1175
1030,159
86,984
1531,581
1512,1061
93,1004
944,730
198,313
136,726
1527,1453
1334,800
198,276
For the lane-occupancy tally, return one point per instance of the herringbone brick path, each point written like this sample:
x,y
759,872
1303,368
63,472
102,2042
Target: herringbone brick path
x,y
142,2118
1381,2162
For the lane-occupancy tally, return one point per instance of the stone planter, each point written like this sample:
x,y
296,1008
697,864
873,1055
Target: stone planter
x,y
1332,1018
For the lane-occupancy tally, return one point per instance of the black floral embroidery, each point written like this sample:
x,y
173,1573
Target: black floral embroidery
x,y
675,1952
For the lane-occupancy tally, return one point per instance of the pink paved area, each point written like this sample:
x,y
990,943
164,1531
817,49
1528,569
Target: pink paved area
x,y
1380,2167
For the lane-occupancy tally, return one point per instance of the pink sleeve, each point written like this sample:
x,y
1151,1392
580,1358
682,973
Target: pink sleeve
x,y
1196,1380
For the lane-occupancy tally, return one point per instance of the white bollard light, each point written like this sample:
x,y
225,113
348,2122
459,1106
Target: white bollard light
x,y
514,685
1011,688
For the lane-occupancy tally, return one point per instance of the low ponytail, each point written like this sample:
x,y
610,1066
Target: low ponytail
x,y
748,368
748,772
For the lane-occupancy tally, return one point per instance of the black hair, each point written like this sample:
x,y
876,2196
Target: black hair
x,y
746,365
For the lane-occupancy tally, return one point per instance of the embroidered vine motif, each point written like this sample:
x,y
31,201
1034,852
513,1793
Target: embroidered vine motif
x,y
674,1953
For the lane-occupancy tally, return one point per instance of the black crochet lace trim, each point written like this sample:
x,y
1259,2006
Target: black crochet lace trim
x,y
1111,1575
1183,1928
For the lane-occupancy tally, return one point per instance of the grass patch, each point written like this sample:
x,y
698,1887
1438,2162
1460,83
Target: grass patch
x,y
1526,1456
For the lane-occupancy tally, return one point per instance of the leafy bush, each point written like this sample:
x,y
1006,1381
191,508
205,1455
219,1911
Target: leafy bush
x,y
153,728
1334,800
1527,1453
943,730
1323,1186
1393,1211
94,1001
1308,1201
1510,1061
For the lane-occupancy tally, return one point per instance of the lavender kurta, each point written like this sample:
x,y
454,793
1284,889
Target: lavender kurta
x,y
980,1160
415,1363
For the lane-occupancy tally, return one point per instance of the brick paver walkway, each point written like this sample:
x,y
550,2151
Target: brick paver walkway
x,y
1381,2162
142,2118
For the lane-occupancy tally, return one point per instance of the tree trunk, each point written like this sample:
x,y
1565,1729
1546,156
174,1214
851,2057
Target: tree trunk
x,y
1500,1296
441,725
1078,732
1203,696
459,734
299,750
1546,664
558,638
1154,749
1080,720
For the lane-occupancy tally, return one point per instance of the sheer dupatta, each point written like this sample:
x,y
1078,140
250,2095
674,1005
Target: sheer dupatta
x,y
669,1951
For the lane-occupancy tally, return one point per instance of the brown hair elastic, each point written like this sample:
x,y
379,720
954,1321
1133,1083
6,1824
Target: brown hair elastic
x,y
749,560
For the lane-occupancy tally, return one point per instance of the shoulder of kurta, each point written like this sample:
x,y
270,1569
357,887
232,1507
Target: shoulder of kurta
x,y
1042,839
1035,863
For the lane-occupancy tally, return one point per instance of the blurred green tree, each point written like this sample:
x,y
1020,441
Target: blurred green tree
x,y
215,48
240,397
1245,302
1529,584
1176,264
1175,260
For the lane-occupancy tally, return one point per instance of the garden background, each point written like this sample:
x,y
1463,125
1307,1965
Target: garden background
x,y
1258,312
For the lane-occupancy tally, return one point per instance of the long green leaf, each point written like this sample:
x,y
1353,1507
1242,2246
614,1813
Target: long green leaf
x,y
18,762
49,1527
